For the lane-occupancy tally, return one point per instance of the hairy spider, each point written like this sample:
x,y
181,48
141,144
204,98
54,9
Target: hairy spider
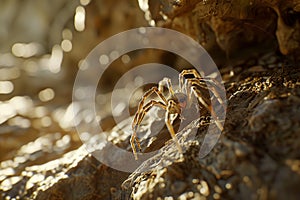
x,y
190,83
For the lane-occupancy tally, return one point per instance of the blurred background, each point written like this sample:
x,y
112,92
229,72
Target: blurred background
x,y
42,44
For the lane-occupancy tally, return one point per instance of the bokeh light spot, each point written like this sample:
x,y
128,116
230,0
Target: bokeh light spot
x,y
6,87
46,94
79,19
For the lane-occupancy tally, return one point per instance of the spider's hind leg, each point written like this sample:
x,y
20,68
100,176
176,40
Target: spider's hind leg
x,y
171,131
141,106
140,114
207,106
132,140
207,90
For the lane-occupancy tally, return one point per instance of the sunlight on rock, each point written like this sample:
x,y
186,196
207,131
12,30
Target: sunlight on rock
x,y
31,67
36,147
104,59
293,164
85,136
34,179
67,34
7,183
68,118
125,59
46,121
64,142
114,55
22,104
203,188
6,87
228,186
66,45
46,94
39,112
6,164
58,114
7,112
143,5
85,2
54,63
7,60
119,109
20,121
83,65
6,172
79,19
9,73
26,50
44,181
20,159
88,116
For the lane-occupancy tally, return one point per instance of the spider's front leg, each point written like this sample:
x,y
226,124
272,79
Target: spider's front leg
x,y
197,85
182,83
140,114
171,129
166,82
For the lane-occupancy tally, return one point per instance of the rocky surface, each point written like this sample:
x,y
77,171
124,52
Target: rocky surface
x,y
237,30
255,158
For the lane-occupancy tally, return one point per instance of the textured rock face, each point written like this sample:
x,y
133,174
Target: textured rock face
x,y
288,26
238,29
75,175
256,156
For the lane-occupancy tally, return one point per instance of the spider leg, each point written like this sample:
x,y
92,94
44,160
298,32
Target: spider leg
x,y
150,92
139,115
195,84
182,75
133,139
145,109
141,104
198,94
171,130
213,84
183,82
139,118
145,96
208,84
215,87
168,83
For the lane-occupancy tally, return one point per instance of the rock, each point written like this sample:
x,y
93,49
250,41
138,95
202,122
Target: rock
x,y
240,29
239,166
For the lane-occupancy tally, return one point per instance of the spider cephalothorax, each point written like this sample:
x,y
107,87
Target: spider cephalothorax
x,y
176,102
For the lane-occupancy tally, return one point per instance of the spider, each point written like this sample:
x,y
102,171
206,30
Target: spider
x,y
190,83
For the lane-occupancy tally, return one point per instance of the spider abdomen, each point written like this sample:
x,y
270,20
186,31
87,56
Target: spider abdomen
x,y
180,99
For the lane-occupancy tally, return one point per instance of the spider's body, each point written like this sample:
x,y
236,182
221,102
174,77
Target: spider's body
x,y
176,103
